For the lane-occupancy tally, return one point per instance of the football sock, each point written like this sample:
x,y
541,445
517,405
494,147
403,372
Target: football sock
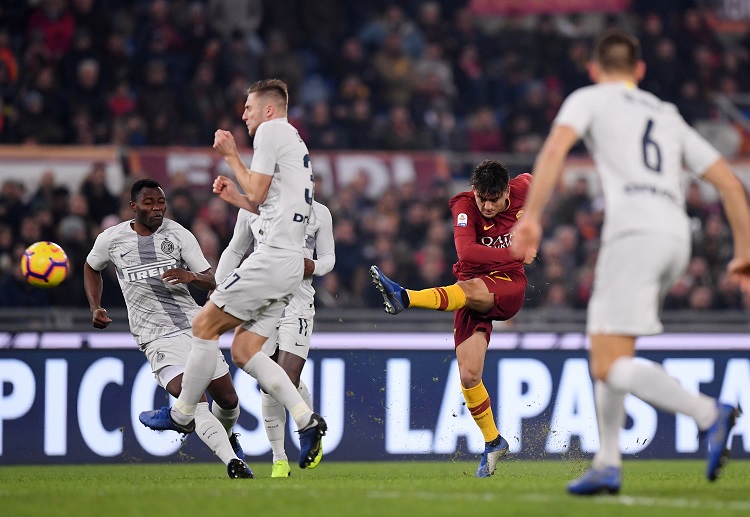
x,y
305,394
650,382
274,380
478,402
199,371
274,418
227,417
211,432
447,298
610,416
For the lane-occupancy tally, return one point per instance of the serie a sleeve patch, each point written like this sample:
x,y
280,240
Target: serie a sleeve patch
x,y
462,220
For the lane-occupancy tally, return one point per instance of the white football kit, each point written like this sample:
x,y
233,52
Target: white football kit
x,y
158,313
259,289
639,145
296,325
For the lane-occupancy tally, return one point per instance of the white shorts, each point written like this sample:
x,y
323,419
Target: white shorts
x,y
292,336
260,288
633,275
168,357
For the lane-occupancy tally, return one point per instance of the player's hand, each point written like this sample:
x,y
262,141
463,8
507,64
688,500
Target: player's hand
x,y
739,272
100,319
227,190
224,143
309,267
530,256
177,275
526,237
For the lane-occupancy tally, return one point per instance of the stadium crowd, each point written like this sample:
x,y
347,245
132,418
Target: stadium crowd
x,y
409,75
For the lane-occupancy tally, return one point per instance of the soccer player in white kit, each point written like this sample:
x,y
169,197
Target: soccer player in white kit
x,y
279,186
639,145
291,343
155,258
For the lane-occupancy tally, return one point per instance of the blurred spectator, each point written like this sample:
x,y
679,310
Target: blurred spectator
x,y
12,206
206,104
394,71
159,105
358,126
94,190
90,16
394,25
323,132
36,123
56,24
400,132
281,62
484,133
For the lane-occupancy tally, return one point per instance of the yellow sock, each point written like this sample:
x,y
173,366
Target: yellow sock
x,y
478,402
447,298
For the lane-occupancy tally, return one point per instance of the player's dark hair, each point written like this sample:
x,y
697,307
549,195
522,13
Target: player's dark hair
x,y
617,51
140,185
273,87
490,179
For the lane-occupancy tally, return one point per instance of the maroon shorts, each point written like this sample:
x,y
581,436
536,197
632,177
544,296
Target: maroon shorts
x,y
509,289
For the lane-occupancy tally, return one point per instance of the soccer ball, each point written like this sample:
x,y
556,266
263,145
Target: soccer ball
x,y
44,264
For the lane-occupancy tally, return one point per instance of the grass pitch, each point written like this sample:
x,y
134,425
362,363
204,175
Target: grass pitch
x,y
414,489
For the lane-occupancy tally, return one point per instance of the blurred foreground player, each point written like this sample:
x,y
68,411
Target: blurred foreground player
x,y
639,145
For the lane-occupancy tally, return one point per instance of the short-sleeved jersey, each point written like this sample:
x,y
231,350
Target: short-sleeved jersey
x,y
155,308
489,239
319,246
279,151
639,145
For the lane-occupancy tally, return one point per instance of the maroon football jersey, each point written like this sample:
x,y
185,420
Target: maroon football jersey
x,y
483,244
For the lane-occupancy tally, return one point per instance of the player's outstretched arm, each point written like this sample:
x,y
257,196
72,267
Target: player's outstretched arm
x,y
93,286
734,199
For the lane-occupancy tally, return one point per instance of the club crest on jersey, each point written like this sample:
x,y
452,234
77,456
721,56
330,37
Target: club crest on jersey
x,y
462,220
167,246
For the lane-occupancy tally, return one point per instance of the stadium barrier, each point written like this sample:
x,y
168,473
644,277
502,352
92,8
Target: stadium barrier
x,y
75,398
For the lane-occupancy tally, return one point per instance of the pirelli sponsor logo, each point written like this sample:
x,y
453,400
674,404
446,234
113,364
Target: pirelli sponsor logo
x,y
152,270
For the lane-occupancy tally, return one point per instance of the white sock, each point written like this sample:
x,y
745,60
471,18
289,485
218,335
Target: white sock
x,y
305,394
610,416
274,418
209,429
650,382
199,371
227,417
273,380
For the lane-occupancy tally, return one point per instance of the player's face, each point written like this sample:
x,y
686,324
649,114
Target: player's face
x,y
254,113
150,207
490,206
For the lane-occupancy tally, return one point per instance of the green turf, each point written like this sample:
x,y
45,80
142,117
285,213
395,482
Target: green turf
x,y
414,489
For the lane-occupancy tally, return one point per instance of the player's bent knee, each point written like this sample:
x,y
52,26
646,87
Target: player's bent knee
x,y
600,369
242,355
239,359
470,379
226,400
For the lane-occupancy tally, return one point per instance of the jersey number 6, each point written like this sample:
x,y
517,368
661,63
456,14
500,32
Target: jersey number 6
x,y
651,150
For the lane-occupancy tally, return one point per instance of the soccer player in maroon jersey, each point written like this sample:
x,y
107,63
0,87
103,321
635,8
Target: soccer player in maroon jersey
x,y
491,286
